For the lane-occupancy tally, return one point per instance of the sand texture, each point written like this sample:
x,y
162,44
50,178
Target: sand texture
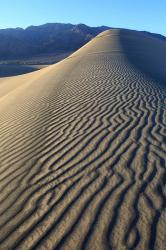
x,y
83,149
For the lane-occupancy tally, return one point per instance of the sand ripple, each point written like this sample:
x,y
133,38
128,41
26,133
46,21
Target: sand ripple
x,y
83,151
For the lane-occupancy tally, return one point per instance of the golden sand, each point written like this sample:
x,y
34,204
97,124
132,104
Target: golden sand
x,y
83,149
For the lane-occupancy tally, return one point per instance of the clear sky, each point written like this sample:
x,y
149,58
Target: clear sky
x,y
149,15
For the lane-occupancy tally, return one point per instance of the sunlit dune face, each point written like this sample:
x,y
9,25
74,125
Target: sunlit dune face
x,y
83,149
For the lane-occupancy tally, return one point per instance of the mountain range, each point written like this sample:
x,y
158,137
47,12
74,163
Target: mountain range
x,y
50,38
44,39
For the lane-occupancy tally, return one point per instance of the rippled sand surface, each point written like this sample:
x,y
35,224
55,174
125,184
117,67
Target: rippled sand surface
x,y
83,149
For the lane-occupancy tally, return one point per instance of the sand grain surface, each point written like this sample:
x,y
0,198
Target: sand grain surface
x,y
83,149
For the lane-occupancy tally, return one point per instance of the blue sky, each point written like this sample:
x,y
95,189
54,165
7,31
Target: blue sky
x,y
147,15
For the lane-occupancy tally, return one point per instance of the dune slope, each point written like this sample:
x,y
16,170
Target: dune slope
x,y
83,149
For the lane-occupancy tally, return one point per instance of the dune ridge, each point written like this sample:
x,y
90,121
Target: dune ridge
x,y
83,149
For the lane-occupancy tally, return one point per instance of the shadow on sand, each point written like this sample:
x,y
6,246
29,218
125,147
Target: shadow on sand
x,y
139,48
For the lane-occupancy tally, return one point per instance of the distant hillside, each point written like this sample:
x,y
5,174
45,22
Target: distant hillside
x,y
44,39
26,50
154,35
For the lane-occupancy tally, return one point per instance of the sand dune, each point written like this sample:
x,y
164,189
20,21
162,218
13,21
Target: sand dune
x,y
83,149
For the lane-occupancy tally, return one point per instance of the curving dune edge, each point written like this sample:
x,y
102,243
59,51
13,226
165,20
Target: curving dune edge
x,y
83,149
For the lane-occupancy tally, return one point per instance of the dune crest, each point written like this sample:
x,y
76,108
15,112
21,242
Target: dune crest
x,y
83,149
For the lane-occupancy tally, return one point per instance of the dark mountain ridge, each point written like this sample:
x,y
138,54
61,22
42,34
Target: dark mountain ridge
x,y
47,38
